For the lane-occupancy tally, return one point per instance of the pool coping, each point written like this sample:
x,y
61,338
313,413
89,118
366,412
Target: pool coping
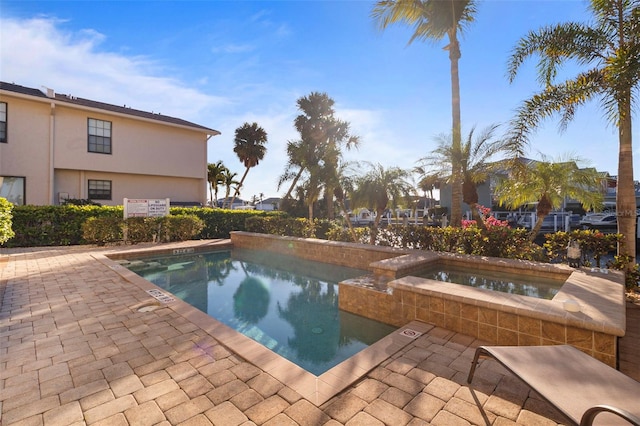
x,y
316,389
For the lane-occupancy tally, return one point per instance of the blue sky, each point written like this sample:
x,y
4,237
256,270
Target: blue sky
x,y
222,63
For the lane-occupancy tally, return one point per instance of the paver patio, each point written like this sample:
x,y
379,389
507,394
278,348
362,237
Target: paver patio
x,y
75,349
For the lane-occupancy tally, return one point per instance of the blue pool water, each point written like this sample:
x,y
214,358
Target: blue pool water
x,y
287,304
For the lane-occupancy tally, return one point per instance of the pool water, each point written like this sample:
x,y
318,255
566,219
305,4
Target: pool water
x,y
287,304
533,286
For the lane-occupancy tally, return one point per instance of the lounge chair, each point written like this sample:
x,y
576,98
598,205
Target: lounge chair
x,y
584,389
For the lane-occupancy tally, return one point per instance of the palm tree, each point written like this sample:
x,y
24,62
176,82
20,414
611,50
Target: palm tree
x,y
318,151
379,187
609,48
344,186
548,183
312,188
216,178
295,166
249,147
229,181
433,20
427,184
474,157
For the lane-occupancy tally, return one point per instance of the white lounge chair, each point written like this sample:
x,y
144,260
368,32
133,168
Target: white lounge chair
x,y
584,389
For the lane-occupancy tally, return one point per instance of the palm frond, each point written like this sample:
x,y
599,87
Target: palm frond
x,y
431,20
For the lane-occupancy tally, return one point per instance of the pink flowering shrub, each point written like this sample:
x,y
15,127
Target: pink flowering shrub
x,y
487,218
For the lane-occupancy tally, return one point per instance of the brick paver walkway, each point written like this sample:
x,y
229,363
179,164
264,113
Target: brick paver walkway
x,y
75,350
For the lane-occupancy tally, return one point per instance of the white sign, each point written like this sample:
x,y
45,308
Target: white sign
x,y
144,207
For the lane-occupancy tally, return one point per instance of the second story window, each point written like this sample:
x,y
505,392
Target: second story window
x,y
3,122
99,136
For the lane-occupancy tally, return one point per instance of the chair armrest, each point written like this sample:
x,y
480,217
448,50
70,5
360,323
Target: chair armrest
x,y
589,416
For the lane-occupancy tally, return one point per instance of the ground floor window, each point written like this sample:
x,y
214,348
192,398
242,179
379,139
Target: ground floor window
x,y
99,189
13,189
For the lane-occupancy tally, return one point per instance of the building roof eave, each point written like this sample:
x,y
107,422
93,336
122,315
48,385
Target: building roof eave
x,y
101,107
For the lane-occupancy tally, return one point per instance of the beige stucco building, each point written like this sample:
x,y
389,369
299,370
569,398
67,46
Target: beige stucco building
x,y
55,146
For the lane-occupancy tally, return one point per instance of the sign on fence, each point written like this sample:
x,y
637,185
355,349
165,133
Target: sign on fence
x,y
144,207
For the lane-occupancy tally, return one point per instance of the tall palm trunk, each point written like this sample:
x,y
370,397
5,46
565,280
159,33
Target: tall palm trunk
x,y
293,184
536,227
330,205
475,215
237,192
625,194
376,226
345,216
470,196
456,181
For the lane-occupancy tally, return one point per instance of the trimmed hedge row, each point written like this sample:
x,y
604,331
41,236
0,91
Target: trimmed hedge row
x,y
38,226
63,225
290,227
103,230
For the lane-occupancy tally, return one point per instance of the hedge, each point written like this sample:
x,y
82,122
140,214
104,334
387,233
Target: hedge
x,y
6,231
37,226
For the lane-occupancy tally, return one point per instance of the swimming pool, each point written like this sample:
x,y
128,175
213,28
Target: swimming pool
x,y
289,305
505,282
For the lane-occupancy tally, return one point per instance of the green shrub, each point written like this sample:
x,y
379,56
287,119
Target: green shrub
x,y
37,226
593,244
321,227
632,276
279,225
337,232
182,227
218,223
6,230
80,202
142,229
495,241
102,230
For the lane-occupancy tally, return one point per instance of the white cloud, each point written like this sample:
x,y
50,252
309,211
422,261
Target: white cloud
x,y
36,53
378,139
233,48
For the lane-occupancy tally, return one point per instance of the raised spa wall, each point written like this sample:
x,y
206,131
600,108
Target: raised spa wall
x,y
392,295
